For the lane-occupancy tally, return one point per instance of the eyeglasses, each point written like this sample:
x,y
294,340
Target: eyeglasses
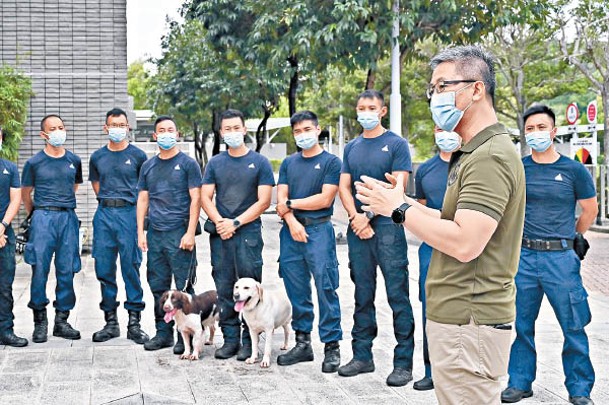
x,y
123,126
441,86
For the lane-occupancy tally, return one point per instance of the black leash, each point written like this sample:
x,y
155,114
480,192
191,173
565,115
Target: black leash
x,y
192,270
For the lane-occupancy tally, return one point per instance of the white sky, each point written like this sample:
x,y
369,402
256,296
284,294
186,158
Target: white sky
x,y
146,24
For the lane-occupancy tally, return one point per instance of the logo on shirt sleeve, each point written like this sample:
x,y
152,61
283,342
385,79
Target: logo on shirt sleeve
x,y
385,148
177,167
252,166
318,166
128,162
558,177
5,171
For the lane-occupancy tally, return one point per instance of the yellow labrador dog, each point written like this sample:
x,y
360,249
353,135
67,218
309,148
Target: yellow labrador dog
x,y
263,311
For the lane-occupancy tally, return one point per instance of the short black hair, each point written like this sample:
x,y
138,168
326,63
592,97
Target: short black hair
x,y
164,118
539,109
116,112
232,113
370,93
301,116
46,117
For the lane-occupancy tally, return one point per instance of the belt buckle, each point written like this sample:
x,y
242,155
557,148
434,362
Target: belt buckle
x,y
548,245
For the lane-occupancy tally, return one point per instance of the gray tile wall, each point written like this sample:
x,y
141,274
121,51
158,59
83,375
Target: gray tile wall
x,y
76,54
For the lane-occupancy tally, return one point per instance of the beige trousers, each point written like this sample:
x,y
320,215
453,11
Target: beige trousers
x,y
467,362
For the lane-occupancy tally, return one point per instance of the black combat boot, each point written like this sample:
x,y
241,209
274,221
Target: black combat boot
x,y
41,326
10,339
163,337
110,330
62,328
134,330
228,350
179,346
299,353
331,358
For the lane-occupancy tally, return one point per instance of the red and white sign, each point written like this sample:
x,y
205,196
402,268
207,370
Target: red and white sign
x,y
572,113
592,112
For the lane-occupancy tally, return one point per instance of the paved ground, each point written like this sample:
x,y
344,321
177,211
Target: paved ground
x,y
120,372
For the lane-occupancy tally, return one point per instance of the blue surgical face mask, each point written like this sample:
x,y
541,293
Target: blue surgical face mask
x,y
233,139
306,140
539,141
117,134
368,120
166,140
444,110
448,141
57,138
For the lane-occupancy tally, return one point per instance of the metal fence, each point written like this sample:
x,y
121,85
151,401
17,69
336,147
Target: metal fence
x,y
602,182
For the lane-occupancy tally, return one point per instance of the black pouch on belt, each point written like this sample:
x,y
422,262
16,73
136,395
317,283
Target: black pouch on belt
x,y
210,227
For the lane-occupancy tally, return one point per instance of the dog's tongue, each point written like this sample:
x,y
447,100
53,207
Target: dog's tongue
x,y
169,315
239,306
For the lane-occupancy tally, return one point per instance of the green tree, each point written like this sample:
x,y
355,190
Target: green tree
x,y
588,51
15,93
529,69
138,85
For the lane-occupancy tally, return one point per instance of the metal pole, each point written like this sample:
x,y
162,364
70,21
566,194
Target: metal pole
x,y
341,137
395,113
330,139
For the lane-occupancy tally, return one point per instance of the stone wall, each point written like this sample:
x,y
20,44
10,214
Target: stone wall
x,y
76,54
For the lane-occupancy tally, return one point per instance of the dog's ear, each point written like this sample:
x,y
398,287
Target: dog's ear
x,y
260,291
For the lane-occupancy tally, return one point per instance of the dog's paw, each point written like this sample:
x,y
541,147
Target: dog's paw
x,y
284,347
250,360
265,363
209,343
194,356
185,356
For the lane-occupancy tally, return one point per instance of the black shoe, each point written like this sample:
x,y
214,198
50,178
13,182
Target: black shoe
x,y
299,353
10,339
110,330
331,358
159,341
41,326
424,384
227,350
399,377
512,394
62,328
245,352
355,367
179,347
134,330
581,400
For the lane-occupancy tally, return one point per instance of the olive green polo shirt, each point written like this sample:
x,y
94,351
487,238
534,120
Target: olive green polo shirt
x,y
486,175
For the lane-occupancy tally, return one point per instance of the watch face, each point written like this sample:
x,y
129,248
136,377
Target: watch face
x,y
369,214
397,216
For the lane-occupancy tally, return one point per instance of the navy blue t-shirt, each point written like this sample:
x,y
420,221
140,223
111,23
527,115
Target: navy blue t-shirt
x,y
168,183
117,172
430,182
9,178
552,192
374,157
237,180
53,179
306,177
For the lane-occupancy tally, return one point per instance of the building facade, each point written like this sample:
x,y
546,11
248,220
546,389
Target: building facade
x,y
76,55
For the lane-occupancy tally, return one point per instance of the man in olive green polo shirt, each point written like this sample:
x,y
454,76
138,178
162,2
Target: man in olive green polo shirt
x,y
476,238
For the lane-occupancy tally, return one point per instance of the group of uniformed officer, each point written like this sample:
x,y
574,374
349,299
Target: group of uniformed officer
x,y
164,195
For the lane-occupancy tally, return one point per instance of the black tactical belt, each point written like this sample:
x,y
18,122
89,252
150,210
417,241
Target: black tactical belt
x,y
312,221
547,244
53,208
115,203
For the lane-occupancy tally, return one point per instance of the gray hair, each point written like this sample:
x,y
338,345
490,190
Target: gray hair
x,y
472,62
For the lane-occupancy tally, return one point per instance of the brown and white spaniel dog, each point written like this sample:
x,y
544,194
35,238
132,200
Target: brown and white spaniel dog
x,y
192,314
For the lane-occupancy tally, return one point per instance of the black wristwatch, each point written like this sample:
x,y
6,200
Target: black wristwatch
x,y
5,224
370,215
236,223
399,214
288,204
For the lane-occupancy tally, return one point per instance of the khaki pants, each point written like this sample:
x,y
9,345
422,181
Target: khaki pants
x,y
467,362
